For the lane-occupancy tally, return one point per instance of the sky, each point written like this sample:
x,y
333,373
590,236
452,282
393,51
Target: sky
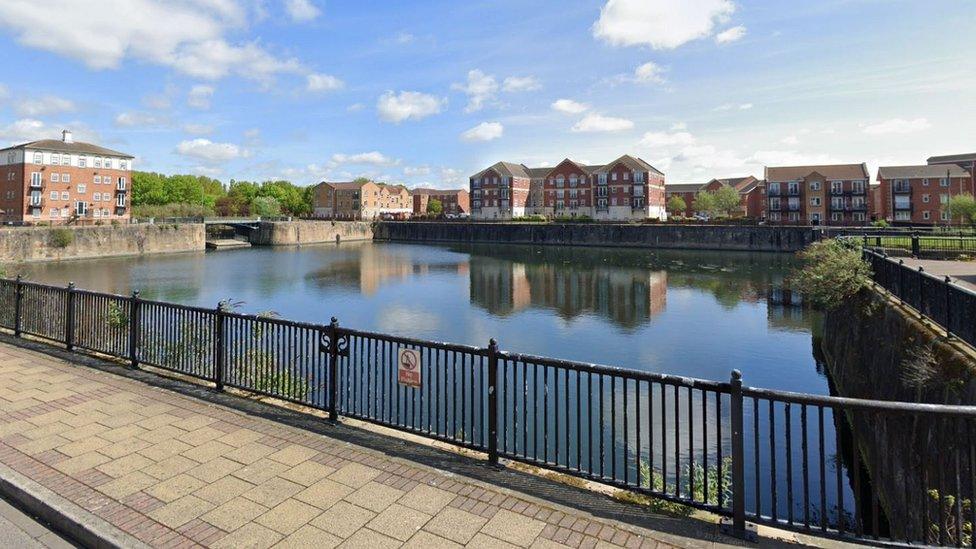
x,y
428,92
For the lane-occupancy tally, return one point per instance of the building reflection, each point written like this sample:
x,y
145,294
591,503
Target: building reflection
x,y
366,269
627,297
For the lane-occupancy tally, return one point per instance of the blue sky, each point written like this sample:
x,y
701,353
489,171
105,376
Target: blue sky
x,y
428,92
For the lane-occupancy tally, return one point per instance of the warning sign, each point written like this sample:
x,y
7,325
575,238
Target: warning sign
x,y
408,367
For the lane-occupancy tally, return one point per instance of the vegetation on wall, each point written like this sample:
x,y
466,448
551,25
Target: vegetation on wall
x,y
830,272
61,237
159,195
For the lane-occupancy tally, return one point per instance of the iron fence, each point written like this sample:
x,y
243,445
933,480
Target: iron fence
x,y
915,243
836,467
949,305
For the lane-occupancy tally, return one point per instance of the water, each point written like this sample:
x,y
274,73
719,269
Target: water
x,y
697,314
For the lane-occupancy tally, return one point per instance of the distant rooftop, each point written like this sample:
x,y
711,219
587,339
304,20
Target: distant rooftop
x,y
969,157
933,171
829,171
68,145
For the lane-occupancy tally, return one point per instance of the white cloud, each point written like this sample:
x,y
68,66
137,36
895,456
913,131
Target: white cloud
x,y
198,129
317,82
730,35
731,106
665,139
404,37
486,131
650,73
374,158
452,176
569,106
207,150
186,35
30,129
521,83
896,126
408,105
301,10
660,24
141,119
600,123
209,171
42,106
480,88
199,96
356,107
416,170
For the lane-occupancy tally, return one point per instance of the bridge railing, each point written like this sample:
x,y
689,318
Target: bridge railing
x,y
836,467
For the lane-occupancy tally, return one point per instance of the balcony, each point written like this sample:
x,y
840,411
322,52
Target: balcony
x,y
121,188
35,202
859,192
902,189
773,192
793,192
36,184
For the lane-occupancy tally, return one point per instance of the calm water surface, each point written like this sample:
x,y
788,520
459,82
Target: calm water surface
x,y
697,314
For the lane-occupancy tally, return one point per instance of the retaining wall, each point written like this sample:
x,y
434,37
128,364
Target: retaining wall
x,y
26,244
702,237
290,233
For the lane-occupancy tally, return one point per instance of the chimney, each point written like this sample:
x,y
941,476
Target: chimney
x,y
66,136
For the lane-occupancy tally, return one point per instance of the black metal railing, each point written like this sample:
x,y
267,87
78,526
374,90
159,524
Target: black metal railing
x,y
930,243
836,467
949,305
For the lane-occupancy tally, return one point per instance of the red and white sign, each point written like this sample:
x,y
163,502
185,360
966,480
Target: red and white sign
x,y
408,367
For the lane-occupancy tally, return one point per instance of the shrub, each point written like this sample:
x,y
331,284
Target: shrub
x,y
61,237
830,272
176,209
265,206
880,223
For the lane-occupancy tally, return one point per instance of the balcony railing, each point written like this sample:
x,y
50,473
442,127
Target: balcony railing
x,y
902,189
36,184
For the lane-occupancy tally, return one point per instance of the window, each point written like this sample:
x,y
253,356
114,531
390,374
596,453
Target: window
x,y
903,216
773,189
107,163
944,182
858,186
65,212
82,161
36,179
925,198
793,188
559,181
858,216
943,199
815,200
123,165
98,179
97,213
82,188
65,195
814,185
96,197
926,215
65,159
638,177
815,217
945,216
121,184
836,216
38,158
836,187
55,159
774,203
925,182
794,216
66,178
602,179
10,157
54,195
626,176
55,212
613,177
98,163
55,178
774,216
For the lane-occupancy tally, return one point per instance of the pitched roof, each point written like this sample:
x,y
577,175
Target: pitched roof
x,y
536,173
629,161
683,187
751,185
736,183
829,171
75,147
924,171
969,157
437,191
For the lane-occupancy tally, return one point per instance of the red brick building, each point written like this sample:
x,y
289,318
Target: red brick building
x,y
453,201
751,193
627,188
61,181
836,194
917,195
964,161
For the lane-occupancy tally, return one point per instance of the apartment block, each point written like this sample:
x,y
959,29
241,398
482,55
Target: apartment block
x,y
836,194
751,193
918,195
361,200
453,201
627,188
62,181
964,161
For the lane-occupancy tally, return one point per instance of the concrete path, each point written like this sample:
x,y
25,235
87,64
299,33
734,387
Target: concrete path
x,y
18,529
962,273
170,470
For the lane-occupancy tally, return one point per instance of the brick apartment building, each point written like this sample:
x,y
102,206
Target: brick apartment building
x,y
918,195
627,188
453,201
361,200
837,194
61,181
751,194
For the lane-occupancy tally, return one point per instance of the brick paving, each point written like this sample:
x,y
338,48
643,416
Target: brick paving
x,y
174,471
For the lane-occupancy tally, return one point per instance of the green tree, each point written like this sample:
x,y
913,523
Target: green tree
x,y
726,200
265,206
704,202
830,272
962,208
676,205
434,206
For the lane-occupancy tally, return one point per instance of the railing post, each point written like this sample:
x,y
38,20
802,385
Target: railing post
x,y
69,320
916,248
219,347
18,300
334,369
948,307
134,330
493,401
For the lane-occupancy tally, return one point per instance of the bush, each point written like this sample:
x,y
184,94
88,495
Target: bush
x,y
61,238
531,219
880,223
830,272
177,209
265,206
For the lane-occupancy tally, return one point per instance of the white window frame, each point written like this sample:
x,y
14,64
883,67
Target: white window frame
x,y
82,188
55,177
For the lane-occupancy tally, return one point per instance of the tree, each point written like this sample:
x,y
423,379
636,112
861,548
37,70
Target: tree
x,y
434,206
726,200
704,202
265,206
962,208
676,205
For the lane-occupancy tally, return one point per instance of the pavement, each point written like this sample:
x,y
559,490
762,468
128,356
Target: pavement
x,y
962,273
161,463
